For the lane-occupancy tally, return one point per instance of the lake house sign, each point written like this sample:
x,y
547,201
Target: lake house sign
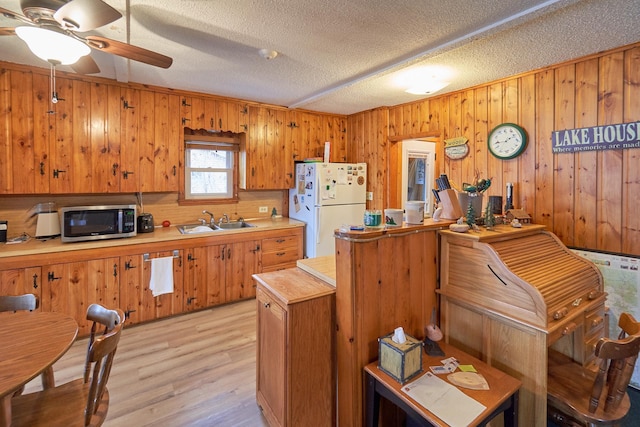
x,y
606,137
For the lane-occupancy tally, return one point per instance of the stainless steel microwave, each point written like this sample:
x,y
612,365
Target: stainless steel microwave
x,y
81,223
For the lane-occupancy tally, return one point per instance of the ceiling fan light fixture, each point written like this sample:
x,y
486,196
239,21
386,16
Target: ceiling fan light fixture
x,y
267,53
53,46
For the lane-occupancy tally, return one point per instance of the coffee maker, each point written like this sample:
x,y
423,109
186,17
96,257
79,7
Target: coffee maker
x,y
48,221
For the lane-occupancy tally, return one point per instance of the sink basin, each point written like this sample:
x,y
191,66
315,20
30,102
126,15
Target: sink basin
x,y
231,225
195,229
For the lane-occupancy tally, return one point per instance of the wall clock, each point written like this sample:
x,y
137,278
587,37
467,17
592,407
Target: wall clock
x,y
507,141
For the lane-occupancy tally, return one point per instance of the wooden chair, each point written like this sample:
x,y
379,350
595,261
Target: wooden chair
x,y
579,396
18,302
23,303
85,401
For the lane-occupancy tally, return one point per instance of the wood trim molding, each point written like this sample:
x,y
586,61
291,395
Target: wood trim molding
x,y
432,134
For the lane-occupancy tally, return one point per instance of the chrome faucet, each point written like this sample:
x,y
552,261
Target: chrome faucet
x,y
224,218
212,221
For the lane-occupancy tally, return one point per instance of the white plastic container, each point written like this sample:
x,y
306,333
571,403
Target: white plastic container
x,y
414,212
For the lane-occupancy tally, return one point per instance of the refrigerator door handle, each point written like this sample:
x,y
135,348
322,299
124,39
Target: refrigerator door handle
x,y
316,227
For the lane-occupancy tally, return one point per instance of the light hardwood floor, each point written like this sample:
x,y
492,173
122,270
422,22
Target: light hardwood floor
x,y
197,369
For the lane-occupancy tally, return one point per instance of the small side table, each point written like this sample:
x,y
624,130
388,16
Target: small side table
x,y
502,397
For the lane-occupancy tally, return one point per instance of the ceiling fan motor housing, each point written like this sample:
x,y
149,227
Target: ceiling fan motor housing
x,y
41,11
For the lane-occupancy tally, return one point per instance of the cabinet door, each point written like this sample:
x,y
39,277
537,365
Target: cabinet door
x,y
24,123
335,131
71,287
242,260
70,148
269,164
129,141
271,358
159,134
137,300
22,281
203,277
104,137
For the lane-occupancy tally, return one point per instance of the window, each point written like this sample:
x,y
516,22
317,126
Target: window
x,y
210,170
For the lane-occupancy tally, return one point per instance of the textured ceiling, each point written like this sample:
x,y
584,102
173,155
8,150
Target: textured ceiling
x,y
343,56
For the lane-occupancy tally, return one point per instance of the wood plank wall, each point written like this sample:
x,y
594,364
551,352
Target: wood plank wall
x,y
589,199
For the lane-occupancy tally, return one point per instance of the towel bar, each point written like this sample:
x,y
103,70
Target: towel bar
x,y
176,254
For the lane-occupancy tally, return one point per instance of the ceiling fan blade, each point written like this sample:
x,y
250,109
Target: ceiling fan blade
x,y
85,65
7,31
12,15
129,51
86,15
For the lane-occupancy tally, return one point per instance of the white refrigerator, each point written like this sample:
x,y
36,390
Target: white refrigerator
x,y
326,196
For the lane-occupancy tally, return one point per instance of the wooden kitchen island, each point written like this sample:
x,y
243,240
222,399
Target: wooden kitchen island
x,y
385,278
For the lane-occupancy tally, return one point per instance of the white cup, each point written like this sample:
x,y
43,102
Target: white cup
x,y
393,217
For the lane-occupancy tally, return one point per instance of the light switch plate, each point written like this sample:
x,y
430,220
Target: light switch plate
x,y
369,195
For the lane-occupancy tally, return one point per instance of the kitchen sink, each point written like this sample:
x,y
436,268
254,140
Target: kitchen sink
x,y
198,228
231,225
194,229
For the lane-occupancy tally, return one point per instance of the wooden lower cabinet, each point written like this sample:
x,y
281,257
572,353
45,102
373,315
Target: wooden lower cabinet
x,y
72,287
220,273
241,260
137,300
22,281
383,280
204,275
295,379
203,278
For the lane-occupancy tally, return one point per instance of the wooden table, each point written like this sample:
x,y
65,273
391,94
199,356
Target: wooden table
x,y
502,397
31,342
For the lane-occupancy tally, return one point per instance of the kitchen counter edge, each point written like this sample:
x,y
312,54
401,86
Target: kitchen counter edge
x,y
161,234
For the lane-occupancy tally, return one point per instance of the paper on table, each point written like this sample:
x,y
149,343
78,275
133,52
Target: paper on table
x,y
444,400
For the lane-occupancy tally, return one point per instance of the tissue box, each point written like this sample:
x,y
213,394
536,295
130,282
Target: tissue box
x,y
401,361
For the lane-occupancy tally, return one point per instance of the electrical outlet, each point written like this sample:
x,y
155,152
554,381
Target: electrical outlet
x,y
263,209
369,195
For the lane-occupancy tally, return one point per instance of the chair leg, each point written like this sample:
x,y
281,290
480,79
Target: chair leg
x,y
48,380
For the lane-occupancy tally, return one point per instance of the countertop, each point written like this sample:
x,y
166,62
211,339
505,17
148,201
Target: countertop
x,y
324,268
382,231
161,234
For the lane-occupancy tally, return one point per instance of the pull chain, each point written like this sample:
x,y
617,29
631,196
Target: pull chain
x,y
52,86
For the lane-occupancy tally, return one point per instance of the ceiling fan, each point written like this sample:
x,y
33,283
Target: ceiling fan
x,y
65,19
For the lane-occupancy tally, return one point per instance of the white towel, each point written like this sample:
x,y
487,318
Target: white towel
x,y
161,281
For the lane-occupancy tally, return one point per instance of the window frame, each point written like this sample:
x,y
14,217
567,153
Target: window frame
x,y
223,141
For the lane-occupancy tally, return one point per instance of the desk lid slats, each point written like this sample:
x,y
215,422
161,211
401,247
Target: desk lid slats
x,y
530,276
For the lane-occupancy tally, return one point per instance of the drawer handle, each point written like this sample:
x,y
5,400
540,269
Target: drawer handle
x,y
569,329
267,304
280,241
560,313
597,321
281,253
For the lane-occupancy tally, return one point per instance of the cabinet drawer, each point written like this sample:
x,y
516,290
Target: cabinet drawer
x,y
280,243
280,257
593,320
280,250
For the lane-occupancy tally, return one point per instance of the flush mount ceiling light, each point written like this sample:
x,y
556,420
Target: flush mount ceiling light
x,y
51,45
267,53
427,87
424,80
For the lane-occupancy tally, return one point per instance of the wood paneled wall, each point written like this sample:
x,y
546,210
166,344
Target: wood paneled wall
x,y
589,199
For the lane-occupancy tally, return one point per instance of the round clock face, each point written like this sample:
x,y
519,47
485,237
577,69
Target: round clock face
x,y
507,141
